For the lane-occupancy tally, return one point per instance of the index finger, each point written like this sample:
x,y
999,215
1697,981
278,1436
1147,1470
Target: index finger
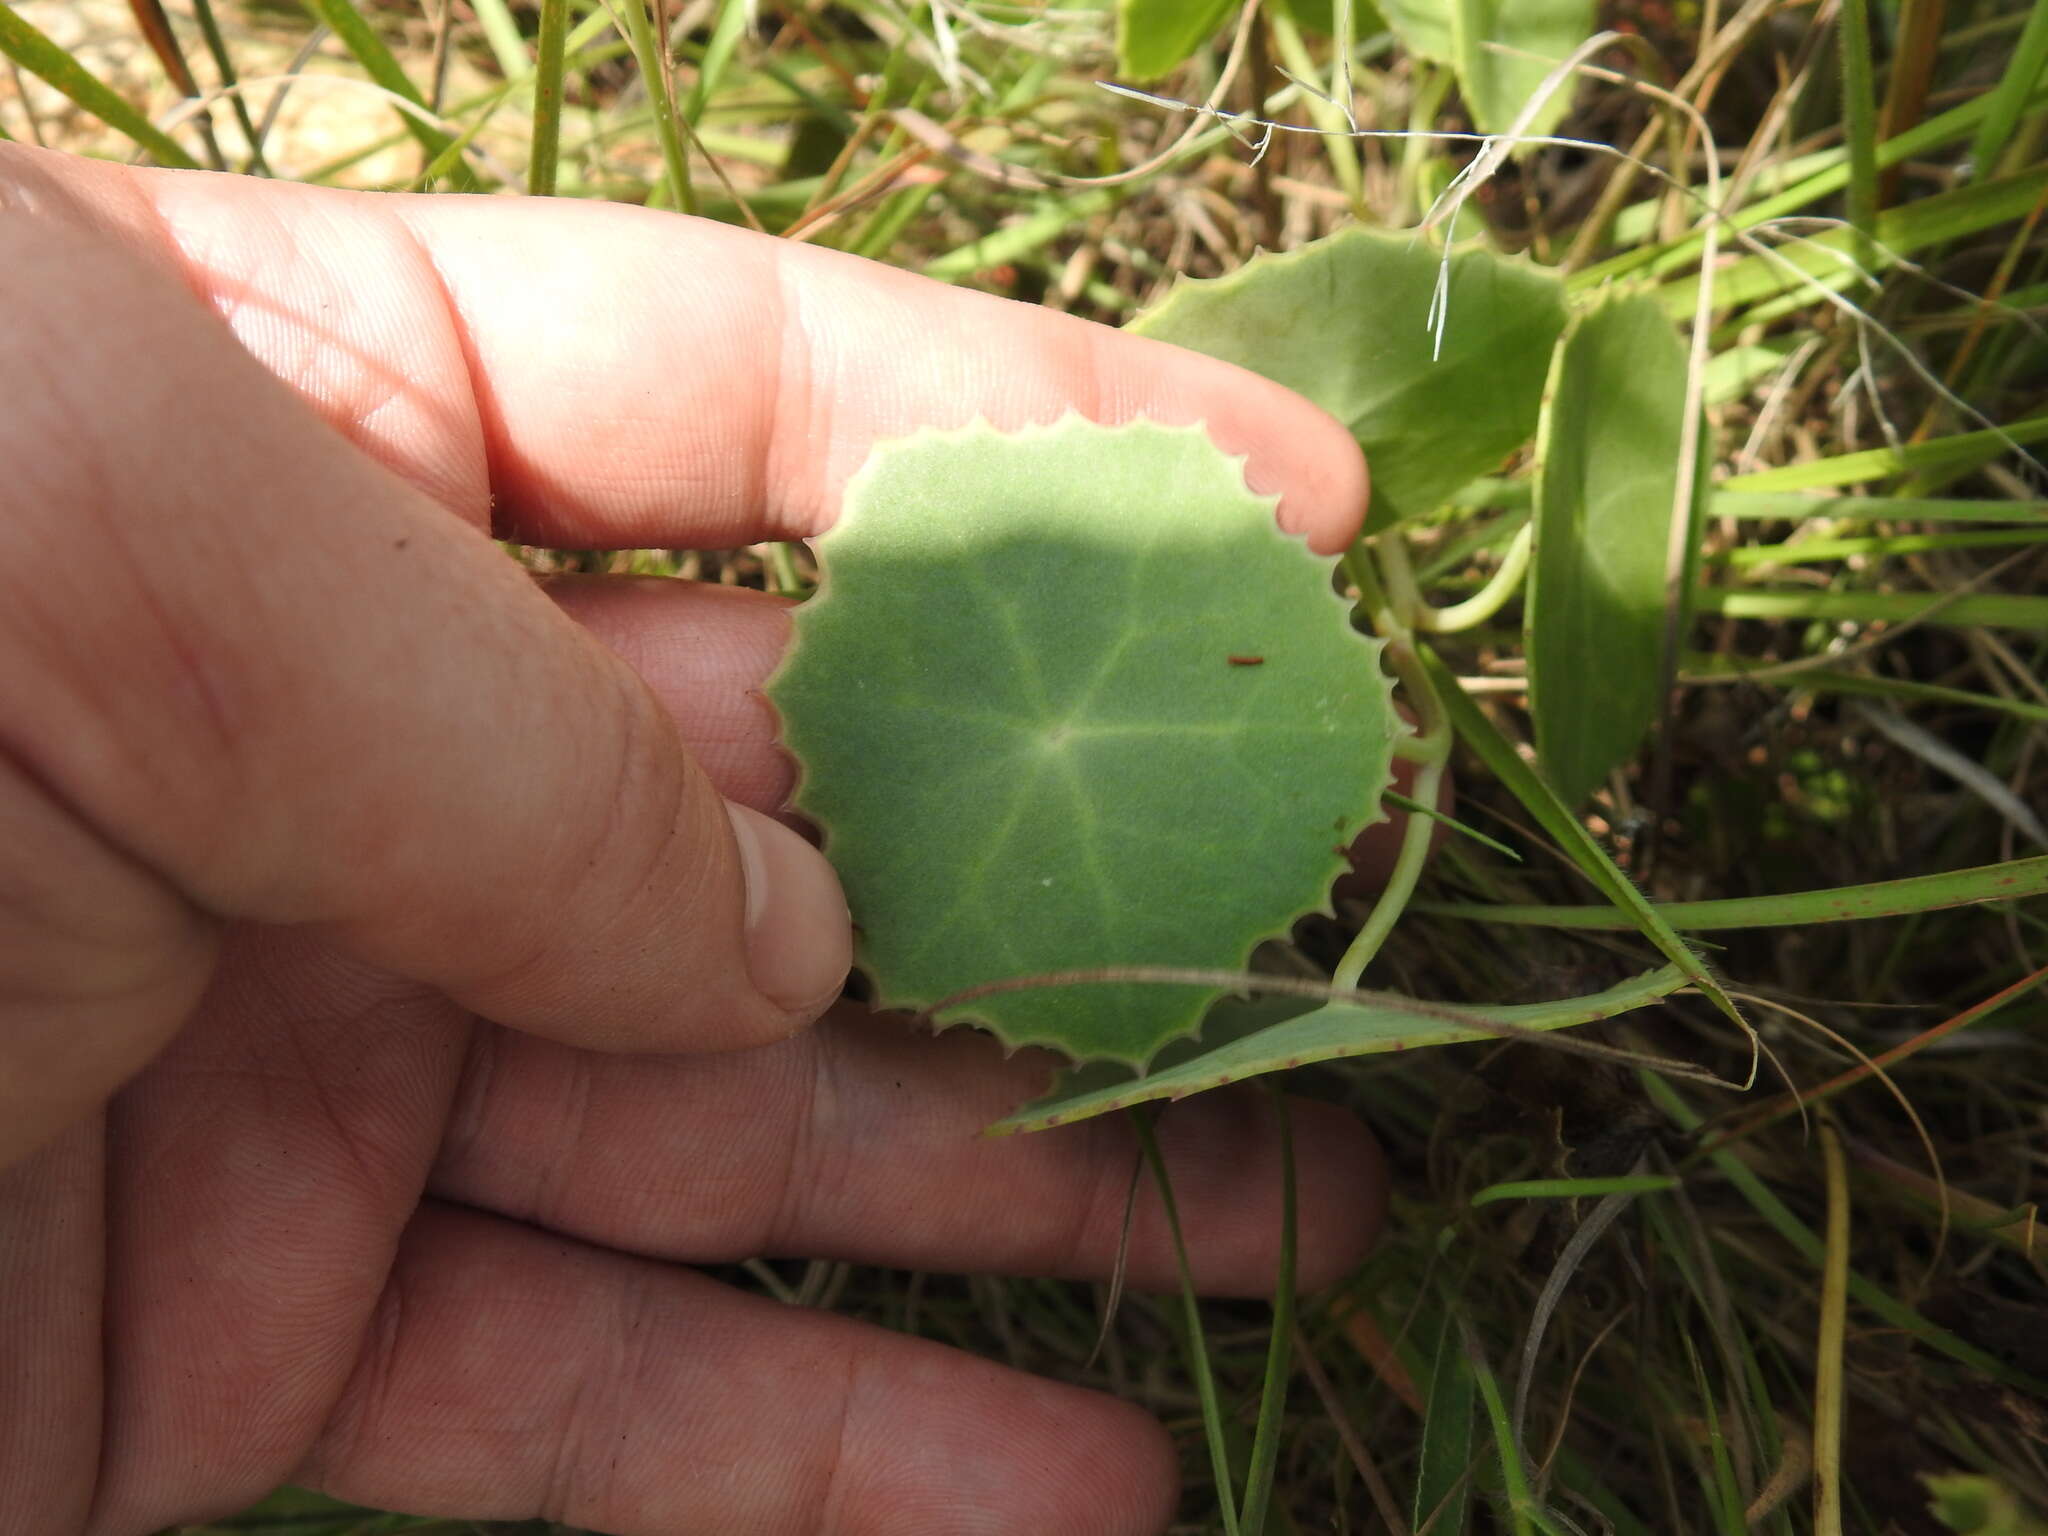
x,y
593,375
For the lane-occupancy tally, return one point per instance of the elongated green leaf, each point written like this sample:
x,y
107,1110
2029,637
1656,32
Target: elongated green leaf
x,y
1267,1040
1801,1237
2009,97
1068,699
1496,83
1443,1482
1830,178
2015,881
1345,322
37,54
1899,231
1607,472
1794,506
1964,450
1995,610
1540,800
1154,36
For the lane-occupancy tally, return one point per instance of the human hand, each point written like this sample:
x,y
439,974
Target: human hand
x,y
397,905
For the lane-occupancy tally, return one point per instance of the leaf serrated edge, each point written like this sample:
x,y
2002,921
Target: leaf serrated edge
x,y
981,428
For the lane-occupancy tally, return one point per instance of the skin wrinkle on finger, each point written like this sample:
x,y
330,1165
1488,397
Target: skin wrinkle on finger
x,y
263,1169
681,440
52,1264
490,708
714,1160
913,1437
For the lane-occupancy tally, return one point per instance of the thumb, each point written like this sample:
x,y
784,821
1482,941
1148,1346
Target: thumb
x,y
248,674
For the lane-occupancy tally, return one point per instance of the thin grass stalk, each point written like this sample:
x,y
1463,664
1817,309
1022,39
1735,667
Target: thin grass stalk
x,y
547,98
2009,98
1191,1316
1265,1460
1803,1240
1514,1477
1834,1313
1859,110
217,48
1905,95
36,53
1727,1498
155,27
650,52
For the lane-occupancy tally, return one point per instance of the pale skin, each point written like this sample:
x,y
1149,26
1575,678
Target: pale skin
x,y
402,977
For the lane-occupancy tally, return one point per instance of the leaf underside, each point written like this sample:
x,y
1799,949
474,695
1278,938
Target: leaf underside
x,y
1344,321
1068,699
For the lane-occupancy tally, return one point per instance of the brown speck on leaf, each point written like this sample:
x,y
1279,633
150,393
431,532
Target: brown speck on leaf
x,y
1247,661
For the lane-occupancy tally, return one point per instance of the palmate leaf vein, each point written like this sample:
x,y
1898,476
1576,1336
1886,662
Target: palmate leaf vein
x,y
1026,744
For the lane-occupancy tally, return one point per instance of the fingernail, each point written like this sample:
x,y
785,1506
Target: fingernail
x,y
799,937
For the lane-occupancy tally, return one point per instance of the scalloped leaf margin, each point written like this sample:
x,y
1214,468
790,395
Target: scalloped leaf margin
x,y
1069,699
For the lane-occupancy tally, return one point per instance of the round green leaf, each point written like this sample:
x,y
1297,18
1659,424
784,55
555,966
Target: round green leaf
x,y
1345,321
1068,699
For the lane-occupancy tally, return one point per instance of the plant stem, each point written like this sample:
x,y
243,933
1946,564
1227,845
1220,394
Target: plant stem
x,y
1489,599
651,52
1834,1306
1859,109
547,99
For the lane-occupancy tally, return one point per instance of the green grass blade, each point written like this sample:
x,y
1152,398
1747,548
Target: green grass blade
x,y
1994,610
1265,1460
1803,1239
1959,452
2015,881
41,57
342,19
1876,546
1417,808
1859,112
217,48
1724,1497
501,34
718,52
1834,1318
547,98
1443,1483
1899,231
1054,220
1480,733
1574,1189
651,53
1514,1478
1950,126
1191,1317
2008,98
1826,680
